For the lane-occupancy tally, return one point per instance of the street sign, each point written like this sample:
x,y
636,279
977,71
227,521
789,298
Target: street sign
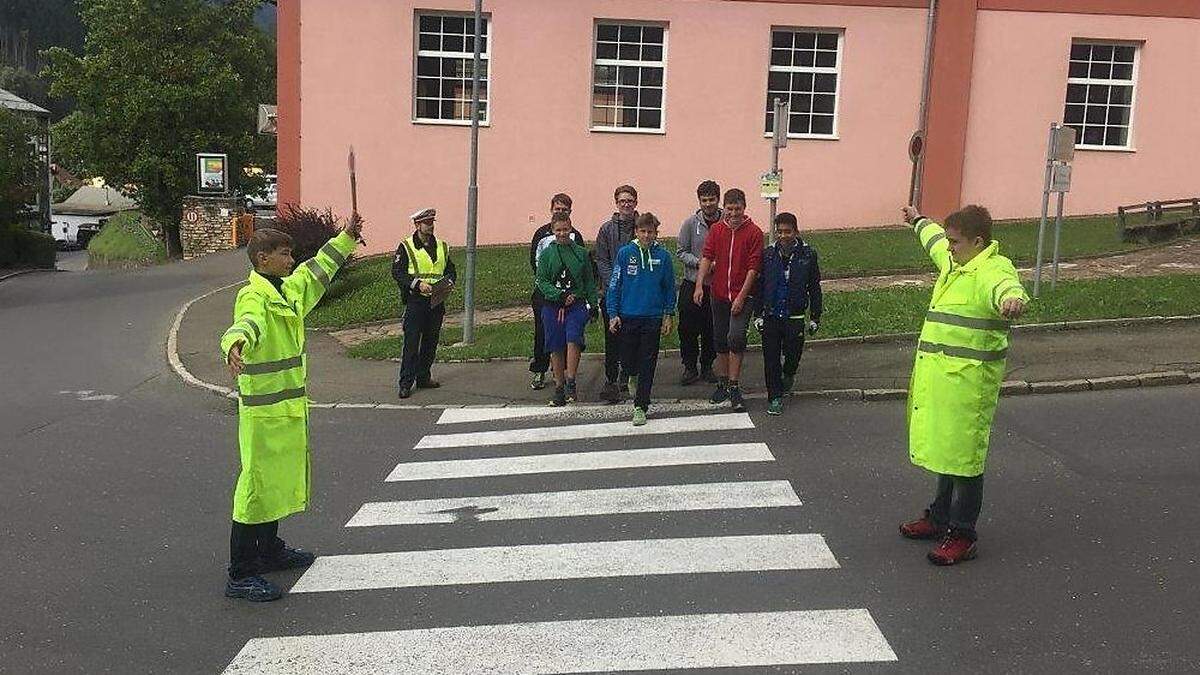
x,y
772,184
1064,144
192,217
780,125
1060,178
916,145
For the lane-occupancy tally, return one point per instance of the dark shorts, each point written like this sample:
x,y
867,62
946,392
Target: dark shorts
x,y
569,329
729,330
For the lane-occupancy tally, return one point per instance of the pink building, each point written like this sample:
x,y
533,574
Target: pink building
x,y
584,95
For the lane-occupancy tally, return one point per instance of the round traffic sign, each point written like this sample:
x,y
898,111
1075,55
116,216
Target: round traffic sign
x,y
916,145
192,217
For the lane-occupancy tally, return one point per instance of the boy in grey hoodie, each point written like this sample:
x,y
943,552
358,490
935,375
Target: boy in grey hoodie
x,y
696,346
614,233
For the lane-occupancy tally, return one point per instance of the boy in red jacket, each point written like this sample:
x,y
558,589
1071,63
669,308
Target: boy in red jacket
x,y
733,254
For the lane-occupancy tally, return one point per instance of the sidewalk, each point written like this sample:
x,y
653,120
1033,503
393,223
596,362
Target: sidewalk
x,y
839,369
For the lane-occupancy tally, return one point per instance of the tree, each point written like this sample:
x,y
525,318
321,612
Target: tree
x,y
18,165
159,81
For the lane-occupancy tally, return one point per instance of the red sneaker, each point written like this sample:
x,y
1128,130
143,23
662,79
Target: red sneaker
x,y
953,549
923,528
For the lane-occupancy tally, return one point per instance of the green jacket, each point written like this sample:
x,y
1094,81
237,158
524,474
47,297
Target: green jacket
x,y
272,400
960,357
559,265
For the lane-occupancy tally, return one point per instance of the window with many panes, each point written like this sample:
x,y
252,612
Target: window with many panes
x,y
1100,86
445,63
804,72
629,66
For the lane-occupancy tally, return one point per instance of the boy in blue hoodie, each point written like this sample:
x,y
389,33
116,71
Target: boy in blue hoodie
x,y
641,302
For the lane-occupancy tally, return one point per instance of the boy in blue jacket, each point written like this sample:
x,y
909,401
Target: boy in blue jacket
x,y
789,285
641,302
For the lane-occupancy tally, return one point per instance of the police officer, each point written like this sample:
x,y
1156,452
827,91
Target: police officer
x,y
421,262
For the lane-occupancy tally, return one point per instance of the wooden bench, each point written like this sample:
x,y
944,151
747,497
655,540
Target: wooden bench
x,y
1156,221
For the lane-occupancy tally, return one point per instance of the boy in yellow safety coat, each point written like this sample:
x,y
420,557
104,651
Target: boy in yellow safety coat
x,y
959,367
265,351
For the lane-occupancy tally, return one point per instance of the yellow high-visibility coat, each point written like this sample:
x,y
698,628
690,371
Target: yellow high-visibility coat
x,y
960,357
272,401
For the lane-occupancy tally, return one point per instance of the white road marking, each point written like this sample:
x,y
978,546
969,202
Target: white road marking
x,y
574,503
592,645
583,560
670,425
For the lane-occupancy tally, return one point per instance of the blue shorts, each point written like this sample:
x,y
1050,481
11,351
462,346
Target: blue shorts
x,y
570,329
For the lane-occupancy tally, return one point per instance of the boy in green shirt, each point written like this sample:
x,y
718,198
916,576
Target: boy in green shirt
x,y
564,277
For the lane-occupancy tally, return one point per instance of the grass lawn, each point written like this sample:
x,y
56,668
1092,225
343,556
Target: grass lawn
x,y
891,310
125,242
366,292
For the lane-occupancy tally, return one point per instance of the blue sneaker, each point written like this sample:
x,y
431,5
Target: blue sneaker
x,y
287,559
254,589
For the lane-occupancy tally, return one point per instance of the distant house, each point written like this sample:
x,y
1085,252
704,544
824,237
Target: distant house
x,y
75,220
41,140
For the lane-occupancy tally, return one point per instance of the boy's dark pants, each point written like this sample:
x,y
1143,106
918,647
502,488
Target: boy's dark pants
x,y
422,326
249,543
612,350
695,329
781,337
540,362
639,340
957,503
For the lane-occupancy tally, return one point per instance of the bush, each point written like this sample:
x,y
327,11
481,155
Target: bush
x,y
309,229
23,247
125,242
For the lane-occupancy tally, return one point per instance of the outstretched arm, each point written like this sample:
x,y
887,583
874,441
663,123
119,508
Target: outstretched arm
x,y
931,235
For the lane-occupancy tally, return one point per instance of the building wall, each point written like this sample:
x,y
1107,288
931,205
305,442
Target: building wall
x,y
1017,89
356,82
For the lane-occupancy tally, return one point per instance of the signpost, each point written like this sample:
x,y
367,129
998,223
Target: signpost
x,y
772,181
1060,150
473,187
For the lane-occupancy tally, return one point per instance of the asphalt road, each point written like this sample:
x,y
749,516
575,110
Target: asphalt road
x,y
114,503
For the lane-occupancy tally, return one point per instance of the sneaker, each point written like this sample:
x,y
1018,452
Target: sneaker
x,y
719,395
775,407
611,394
689,376
953,549
254,589
572,393
287,559
428,384
537,381
921,528
560,397
406,390
735,399
709,376
639,417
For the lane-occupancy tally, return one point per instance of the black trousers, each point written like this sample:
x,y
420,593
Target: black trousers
x,y
540,362
782,346
422,327
695,329
249,543
613,372
640,339
957,503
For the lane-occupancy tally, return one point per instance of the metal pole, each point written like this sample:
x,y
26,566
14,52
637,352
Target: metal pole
x,y
1037,270
473,187
780,112
914,190
1057,235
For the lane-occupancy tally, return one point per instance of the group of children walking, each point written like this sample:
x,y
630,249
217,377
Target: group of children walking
x,y
955,384
730,280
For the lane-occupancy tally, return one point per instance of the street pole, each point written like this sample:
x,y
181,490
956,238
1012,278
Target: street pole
x,y
780,131
1037,271
473,187
1057,236
914,185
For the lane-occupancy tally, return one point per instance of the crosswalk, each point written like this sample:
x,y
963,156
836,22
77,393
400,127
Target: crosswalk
x,y
473,489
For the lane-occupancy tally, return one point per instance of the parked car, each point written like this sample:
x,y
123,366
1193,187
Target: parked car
x,y
265,198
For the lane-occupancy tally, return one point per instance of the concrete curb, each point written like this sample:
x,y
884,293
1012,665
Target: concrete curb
x,y
1007,388
29,271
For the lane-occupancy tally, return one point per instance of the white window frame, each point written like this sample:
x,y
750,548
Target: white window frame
x,y
836,70
595,61
1131,83
484,58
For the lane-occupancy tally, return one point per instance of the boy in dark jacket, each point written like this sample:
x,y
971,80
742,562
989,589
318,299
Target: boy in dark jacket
x,y
568,289
641,302
790,283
